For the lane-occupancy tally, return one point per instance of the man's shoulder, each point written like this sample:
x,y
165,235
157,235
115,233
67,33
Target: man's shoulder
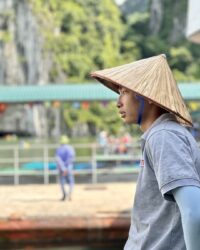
x,y
69,149
170,129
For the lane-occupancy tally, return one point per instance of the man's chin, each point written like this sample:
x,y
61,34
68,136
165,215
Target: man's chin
x,y
129,121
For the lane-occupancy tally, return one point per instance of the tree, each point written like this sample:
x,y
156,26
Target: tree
x,y
80,35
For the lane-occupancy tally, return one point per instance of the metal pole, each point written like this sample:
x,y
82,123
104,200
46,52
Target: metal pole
x,y
94,164
46,167
16,165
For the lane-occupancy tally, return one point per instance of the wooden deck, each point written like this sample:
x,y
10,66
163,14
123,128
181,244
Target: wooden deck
x,y
33,214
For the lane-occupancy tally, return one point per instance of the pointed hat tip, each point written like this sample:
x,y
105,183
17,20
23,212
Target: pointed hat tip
x,y
164,56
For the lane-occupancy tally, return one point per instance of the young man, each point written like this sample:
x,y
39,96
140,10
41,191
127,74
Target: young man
x,y
166,211
65,156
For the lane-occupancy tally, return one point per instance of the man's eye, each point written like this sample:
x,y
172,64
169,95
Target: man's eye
x,y
122,92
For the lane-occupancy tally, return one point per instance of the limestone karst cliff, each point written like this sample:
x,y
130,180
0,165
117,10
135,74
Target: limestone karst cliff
x,y
21,45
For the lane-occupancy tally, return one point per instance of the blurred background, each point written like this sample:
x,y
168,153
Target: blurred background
x,y
47,50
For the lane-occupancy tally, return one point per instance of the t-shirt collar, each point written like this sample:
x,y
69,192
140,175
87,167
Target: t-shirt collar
x,y
163,118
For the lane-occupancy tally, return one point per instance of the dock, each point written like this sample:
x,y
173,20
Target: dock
x,y
33,215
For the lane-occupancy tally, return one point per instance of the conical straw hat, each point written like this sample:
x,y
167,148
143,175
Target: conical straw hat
x,y
151,78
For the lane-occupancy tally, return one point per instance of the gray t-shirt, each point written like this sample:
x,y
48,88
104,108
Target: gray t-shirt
x,y
170,159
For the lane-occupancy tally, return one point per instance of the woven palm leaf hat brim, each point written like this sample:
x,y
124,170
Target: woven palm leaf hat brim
x,y
150,78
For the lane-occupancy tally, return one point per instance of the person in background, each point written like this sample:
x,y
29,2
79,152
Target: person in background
x,y
166,211
103,141
65,156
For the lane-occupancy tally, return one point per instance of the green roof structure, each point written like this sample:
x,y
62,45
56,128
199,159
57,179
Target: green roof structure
x,y
76,92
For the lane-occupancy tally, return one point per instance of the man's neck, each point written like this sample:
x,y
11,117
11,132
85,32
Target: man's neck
x,y
153,115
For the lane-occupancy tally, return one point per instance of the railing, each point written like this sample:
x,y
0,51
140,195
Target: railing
x,y
13,158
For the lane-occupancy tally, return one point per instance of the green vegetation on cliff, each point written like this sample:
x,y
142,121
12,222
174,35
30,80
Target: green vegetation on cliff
x,y
81,36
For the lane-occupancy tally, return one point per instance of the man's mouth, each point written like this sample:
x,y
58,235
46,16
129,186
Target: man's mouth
x,y
123,114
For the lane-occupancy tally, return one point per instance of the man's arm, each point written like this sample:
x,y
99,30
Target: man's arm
x,y
188,200
60,164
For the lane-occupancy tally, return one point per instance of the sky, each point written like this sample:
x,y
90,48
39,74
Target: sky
x,y
119,1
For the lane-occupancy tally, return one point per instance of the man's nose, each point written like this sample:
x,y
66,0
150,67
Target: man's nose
x,y
119,104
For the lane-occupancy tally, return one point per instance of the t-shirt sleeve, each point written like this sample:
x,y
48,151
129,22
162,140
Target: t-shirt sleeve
x,y
172,161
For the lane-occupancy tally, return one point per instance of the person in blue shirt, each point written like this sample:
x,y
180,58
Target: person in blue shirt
x,y
166,210
65,156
